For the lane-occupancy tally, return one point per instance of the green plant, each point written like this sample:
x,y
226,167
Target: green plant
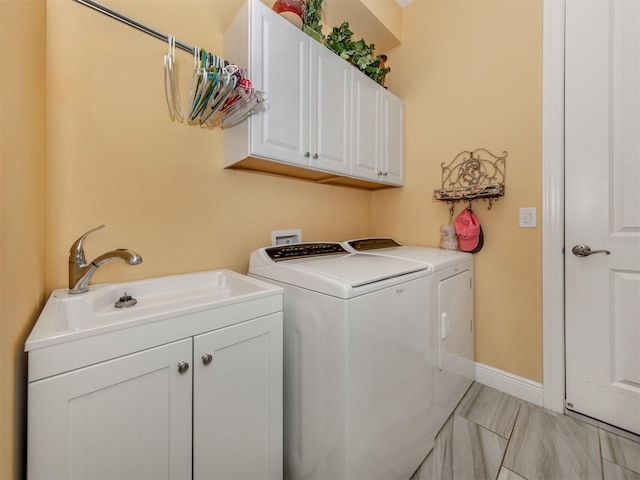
x,y
313,15
359,54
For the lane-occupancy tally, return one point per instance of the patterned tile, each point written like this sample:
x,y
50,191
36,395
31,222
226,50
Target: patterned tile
x,y
550,446
506,474
616,472
439,465
621,451
477,452
489,408
463,450
543,445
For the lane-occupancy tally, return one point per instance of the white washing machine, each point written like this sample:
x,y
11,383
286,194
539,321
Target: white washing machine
x,y
450,299
358,385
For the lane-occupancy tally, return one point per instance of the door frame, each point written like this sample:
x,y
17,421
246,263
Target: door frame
x,y
553,302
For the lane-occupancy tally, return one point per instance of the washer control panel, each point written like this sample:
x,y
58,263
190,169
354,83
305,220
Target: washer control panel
x,y
301,250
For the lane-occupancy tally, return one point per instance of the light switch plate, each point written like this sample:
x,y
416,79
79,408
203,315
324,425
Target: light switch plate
x,y
528,217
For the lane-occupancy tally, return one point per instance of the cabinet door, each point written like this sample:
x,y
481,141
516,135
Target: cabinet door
x,y
392,138
280,67
122,419
366,124
330,106
238,401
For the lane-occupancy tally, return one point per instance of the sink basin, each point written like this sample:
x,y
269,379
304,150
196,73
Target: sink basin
x,y
68,317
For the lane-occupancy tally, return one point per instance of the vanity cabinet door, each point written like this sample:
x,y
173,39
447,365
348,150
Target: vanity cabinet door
x,y
124,418
237,410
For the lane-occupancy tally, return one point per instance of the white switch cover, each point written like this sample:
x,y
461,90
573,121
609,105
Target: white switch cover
x,y
528,217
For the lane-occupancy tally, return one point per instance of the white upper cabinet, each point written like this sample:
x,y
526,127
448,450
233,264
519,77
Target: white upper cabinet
x,y
366,129
392,137
330,120
279,65
324,120
378,133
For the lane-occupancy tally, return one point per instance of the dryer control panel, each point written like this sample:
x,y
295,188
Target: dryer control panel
x,y
364,244
302,250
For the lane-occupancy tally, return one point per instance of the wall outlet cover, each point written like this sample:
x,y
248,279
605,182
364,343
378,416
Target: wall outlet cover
x,y
283,237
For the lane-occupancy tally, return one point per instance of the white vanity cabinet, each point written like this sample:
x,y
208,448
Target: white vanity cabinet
x,y
322,120
189,392
124,418
237,401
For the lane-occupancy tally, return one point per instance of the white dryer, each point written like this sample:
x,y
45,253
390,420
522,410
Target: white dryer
x,y
450,298
358,386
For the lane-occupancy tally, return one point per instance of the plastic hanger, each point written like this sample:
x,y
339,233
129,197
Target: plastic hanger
x,y
171,91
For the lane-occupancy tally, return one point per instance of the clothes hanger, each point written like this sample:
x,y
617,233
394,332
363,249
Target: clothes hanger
x,y
168,88
171,90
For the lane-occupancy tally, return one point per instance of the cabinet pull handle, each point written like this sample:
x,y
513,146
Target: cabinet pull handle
x,y
207,358
183,367
315,156
380,172
385,174
307,155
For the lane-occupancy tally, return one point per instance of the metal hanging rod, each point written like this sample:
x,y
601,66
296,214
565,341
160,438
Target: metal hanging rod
x,y
133,23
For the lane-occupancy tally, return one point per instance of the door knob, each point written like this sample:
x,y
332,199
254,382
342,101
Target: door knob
x,y
207,358
183,367
585,251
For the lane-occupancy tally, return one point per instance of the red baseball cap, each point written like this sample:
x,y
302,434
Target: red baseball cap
x,y
469,231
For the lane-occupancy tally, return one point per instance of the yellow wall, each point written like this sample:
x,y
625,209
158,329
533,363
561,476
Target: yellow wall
x,y
22,138
115,157
470,73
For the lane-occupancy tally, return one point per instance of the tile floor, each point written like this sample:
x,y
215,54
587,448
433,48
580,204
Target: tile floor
x,y
493,435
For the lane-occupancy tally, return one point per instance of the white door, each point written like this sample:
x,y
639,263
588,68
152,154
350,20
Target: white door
x,y
602,95
122,419
237,401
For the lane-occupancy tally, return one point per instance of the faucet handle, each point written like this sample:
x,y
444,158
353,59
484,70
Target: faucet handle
x,y
76,253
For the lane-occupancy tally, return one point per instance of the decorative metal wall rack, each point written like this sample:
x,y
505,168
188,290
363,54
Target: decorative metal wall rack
x,y
473,175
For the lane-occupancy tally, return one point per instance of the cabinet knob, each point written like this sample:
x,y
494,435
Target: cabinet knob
x,y
207,358
315,156
385,174
183,367
307,155
380,173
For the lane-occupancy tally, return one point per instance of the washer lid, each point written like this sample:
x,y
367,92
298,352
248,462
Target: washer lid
x,y
326,270
355,269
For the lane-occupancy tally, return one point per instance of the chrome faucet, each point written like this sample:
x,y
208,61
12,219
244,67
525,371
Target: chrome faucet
x,y
80,272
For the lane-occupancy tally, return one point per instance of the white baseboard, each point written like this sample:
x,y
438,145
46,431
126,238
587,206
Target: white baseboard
x,y
519,387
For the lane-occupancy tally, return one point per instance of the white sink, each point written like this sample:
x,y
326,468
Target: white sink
x,y
67,317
